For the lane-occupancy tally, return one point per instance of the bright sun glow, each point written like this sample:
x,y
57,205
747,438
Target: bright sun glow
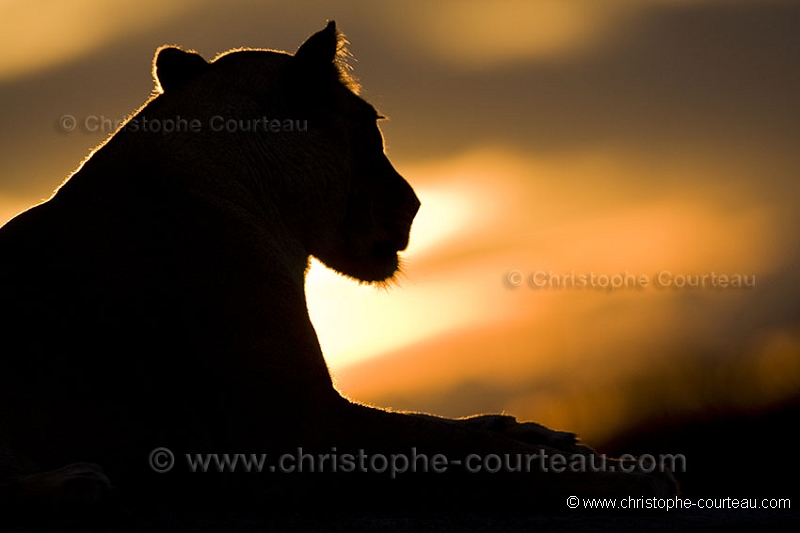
x,y
355,322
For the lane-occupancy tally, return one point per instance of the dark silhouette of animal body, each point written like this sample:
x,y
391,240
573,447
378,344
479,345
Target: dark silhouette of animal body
x,y
157,300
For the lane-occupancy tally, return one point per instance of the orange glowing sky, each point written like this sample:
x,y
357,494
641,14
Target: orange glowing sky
x,y
553,135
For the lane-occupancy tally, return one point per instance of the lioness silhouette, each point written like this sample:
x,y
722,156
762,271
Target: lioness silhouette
x,y
157,301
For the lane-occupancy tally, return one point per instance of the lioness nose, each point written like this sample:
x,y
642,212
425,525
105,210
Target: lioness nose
x,y
415,201
410,204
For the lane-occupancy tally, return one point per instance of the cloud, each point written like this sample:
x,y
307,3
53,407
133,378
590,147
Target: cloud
x,y
44,34
472,35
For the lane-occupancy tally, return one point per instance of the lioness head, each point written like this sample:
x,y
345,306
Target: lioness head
x,y
304,144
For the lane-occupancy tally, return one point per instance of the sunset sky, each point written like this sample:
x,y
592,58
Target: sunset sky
x,y
605,140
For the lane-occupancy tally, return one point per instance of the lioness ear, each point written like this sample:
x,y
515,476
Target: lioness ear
x,y
173,67
320,49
